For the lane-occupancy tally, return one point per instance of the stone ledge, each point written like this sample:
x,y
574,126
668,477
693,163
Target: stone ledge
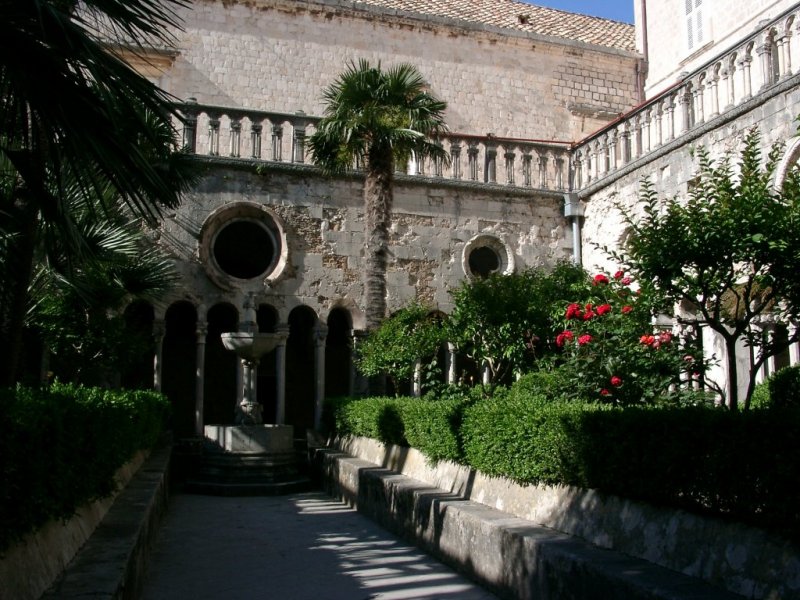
x,y
113,561
31,566
746,560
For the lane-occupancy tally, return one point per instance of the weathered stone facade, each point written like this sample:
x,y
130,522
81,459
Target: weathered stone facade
x,y
540,148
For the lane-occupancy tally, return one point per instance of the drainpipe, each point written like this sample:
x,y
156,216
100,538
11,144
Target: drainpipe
x,y
573,210
642,66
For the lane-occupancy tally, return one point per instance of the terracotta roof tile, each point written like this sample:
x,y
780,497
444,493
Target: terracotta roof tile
x,y
510,14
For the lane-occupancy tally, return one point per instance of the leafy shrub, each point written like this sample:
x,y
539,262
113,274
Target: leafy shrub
x,y
784,387
432,426
760,398
376,417
739,465
611,353
62,445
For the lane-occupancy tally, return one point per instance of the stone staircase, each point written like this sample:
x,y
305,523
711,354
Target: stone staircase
x,y
266,471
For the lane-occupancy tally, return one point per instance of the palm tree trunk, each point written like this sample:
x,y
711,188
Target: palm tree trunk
x,y
14,300
378,210
378,195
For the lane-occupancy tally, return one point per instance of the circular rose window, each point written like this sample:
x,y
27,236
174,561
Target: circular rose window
x,y
244,249
242,243
485,255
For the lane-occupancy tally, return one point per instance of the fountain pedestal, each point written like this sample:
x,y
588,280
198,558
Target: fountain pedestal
x,y
250,347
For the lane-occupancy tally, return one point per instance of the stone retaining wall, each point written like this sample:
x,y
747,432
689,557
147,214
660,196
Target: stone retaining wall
x,y
746,560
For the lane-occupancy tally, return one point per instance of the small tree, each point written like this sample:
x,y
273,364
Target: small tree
x,y
506,322
410,335
729,252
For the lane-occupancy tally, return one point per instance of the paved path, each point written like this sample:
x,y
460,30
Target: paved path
x,y
297,547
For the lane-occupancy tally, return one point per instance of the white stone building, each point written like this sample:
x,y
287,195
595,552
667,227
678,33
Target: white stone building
x,y
553,118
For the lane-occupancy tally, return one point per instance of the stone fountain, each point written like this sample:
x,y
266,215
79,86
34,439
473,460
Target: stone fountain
x,y
250,456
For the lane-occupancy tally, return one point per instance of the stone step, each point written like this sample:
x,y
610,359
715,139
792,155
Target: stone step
x,y
240,488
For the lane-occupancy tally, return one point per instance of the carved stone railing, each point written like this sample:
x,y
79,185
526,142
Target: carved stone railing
x,y
281,138
751,67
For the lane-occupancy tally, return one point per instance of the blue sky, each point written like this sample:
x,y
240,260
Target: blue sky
x,y
619,10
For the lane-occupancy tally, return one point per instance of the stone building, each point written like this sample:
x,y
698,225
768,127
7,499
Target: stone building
x,y
553,117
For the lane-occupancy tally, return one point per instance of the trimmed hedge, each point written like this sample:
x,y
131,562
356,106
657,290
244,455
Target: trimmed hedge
x,y
742,466
61,446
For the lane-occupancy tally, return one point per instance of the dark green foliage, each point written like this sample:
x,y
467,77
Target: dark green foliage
x,y
62,445
738,465
784,387
411,334
728,252
506,321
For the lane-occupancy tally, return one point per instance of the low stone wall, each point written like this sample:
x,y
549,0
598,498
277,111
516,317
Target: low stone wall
x,y
743,559
112,563
31,566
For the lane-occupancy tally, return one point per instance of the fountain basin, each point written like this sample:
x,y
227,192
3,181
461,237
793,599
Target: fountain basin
x,y
252,439
249,345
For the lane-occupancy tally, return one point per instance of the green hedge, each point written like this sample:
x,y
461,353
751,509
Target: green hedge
x,y
742,466
60,448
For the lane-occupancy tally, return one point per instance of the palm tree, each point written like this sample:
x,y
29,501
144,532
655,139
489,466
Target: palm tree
x,y
377,118
72,111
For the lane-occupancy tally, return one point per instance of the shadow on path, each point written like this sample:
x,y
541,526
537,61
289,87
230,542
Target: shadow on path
x,y
302,546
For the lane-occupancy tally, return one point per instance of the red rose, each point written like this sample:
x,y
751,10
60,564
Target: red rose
x,y
603,309
616,381
665,337
600,278
574,311
563,337
605,392
647,340
627,281
626,309
619,274
584,339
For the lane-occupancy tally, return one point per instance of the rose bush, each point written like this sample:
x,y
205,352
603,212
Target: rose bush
x,y
611,352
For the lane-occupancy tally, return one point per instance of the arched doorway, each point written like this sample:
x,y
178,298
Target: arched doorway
x,y
300,376
338,356
179,351
220,387
137,373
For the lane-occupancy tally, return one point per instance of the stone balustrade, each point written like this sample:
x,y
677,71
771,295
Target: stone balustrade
x,y
731,79
281,138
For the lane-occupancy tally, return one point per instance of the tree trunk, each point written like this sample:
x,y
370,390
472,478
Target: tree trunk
x,y
377,211
14,292
733,375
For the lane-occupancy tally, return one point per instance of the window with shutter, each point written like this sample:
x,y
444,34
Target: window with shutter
x,y
694,23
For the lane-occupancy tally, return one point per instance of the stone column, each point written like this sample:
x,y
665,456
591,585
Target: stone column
x,y
190,127
747,87
510,156
299,140
213,135
765,59
416,380
236,137
450,359
255,140
280,374
713,94
686,109
669,111
320,335
159,330
794,348
490,162
527,162
277,142
486,374
472,158
455,159
199,378
785,54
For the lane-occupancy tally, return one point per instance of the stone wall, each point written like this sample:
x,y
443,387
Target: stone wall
x,y
432,223
278,55
724,24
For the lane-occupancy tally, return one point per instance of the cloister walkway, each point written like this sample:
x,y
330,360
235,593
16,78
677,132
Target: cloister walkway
x,y
295,547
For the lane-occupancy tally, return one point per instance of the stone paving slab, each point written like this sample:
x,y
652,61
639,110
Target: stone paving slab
x,y
301,546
